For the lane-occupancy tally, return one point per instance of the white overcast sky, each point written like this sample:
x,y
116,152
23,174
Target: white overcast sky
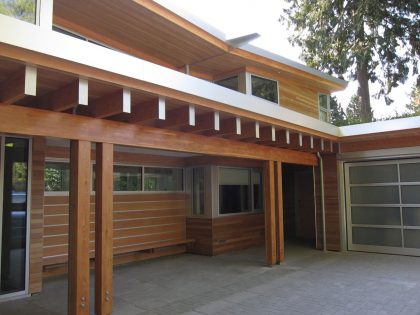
x,y
235,18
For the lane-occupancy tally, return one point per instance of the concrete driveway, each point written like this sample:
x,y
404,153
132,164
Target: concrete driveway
x,y
308,282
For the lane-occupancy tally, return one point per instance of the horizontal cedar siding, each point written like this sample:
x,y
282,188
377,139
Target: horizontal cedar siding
x,y
237,232
139,220
200,229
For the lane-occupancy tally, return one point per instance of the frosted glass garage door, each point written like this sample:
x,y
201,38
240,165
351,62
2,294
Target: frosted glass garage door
x,y
383,206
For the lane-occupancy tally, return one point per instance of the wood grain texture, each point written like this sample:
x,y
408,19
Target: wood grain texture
x,y
37,215
236,232
39,122
78,252
200,229
103,228
279,211
138,220
270,216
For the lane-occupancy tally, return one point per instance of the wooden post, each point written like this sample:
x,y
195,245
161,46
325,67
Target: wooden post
x,y
79,226
279,212
270,218
103,228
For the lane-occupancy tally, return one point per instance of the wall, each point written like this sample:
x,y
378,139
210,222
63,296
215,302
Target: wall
x,y
332,210
140,219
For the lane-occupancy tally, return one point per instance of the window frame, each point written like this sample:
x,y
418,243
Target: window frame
x,y
56,193
327,110
249,76
217,192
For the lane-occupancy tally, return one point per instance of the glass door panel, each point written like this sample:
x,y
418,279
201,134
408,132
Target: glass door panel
x,y
14,214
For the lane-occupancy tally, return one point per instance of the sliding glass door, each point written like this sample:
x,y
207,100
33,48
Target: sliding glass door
x,y
14,180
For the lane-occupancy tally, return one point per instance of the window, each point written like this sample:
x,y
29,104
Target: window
x,y
163,179
230,83
264,88
57,176
127,178
257,189
22,10
324,107
198,189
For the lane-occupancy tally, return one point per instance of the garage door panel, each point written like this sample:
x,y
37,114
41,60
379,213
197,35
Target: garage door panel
x,y
374,195
410,172
373,174
377,236
412,238
410,194
376,215
411,216
383,206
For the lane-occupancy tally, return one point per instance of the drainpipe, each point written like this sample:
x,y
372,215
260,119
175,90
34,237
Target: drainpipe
x,y
324,232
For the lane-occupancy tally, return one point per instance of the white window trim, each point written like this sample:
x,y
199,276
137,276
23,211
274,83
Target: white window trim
x,y
216,195
321,109
249,86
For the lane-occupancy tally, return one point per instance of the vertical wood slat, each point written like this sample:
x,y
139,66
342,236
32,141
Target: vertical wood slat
x,y
279,212
103,228
37,215
270,222
78,278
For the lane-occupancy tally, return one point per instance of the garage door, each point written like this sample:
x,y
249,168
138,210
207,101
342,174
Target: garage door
x,y
383,206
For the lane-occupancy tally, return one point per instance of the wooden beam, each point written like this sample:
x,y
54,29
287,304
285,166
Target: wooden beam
x,y
268,134
19,85
279,212
249,131
36,122
181,116
66,97
112,104
147,111
103,228
270,215
77,69
228,126
79,227
203,122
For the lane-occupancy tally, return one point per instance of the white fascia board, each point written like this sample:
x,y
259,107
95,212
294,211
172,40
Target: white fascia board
x,y
380,126
27,36
264,53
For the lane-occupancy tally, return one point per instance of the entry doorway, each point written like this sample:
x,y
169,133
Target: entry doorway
x,y
299,205
14,193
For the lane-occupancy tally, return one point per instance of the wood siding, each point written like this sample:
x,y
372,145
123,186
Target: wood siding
x,y
237,232
140,220
332,208
200,229
37,215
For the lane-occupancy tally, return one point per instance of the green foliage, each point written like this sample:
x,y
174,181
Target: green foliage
x,y
414,106
338,117
354,111
20,9
367,40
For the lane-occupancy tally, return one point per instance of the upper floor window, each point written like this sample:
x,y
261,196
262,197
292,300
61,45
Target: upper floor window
x,y
324,107
24,10
264,88
230,83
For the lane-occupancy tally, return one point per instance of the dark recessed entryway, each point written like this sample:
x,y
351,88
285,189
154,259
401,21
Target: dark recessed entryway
x,y
298,205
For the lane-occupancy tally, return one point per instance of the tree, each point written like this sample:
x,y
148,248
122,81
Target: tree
x,y
338,117
367,40
20,9
414,106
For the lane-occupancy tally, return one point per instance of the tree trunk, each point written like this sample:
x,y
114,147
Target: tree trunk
x,y
366,114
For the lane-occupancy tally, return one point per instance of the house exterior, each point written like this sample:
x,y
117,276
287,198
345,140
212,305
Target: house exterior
x,y
129,132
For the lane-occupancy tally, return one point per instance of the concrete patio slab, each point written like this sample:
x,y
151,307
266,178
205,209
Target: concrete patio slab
x,y
308,282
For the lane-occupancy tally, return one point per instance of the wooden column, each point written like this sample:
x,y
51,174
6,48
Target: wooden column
x,y
103,228
270,217
79,226
279,212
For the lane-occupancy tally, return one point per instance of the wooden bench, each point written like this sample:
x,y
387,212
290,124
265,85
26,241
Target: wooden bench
x,y
122,255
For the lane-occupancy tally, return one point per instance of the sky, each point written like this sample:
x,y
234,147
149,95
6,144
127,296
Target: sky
x,y
240,17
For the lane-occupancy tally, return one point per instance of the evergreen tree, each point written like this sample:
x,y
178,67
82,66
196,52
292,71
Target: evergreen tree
x,y
368,40
20,9
338,117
